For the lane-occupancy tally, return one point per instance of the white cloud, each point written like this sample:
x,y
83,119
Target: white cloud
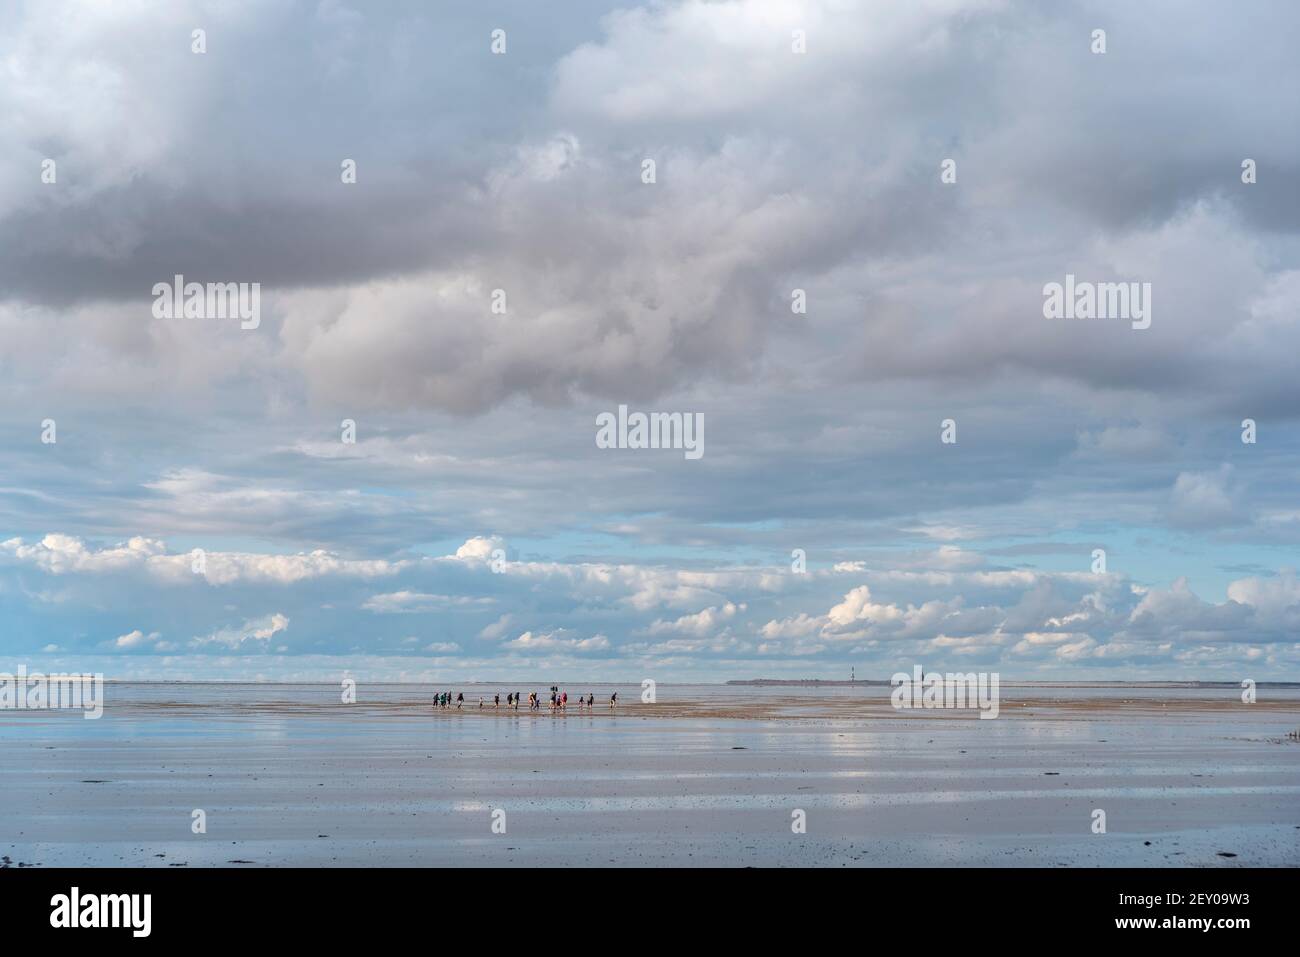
x,y
255,633
479,549
411,602
497,629
701,624
64,554
857,606
134,639
554,641
1272,597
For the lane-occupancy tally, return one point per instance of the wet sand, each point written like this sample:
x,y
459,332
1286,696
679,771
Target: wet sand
x,y
290,775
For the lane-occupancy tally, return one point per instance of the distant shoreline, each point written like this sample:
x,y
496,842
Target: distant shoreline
x,y
735,682
806,683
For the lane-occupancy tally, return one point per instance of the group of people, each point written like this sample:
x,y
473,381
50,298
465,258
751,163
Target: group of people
x,y
559,700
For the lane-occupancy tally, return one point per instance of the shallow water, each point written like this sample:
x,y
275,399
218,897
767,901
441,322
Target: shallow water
x,y
286,774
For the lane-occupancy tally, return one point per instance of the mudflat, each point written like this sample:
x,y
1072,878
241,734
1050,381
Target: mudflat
x,y
288,774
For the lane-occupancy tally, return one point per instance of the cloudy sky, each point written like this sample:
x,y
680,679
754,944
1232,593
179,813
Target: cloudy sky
x,y
775,170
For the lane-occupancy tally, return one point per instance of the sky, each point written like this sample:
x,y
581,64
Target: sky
x,y
181,497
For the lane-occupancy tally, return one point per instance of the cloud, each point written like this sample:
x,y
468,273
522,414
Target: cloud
x,y
1125,443
1273,597
65,554
857,606
498,628
410,602
1204,499
134,639
254,634
700,624
479,549
553,641
523,174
